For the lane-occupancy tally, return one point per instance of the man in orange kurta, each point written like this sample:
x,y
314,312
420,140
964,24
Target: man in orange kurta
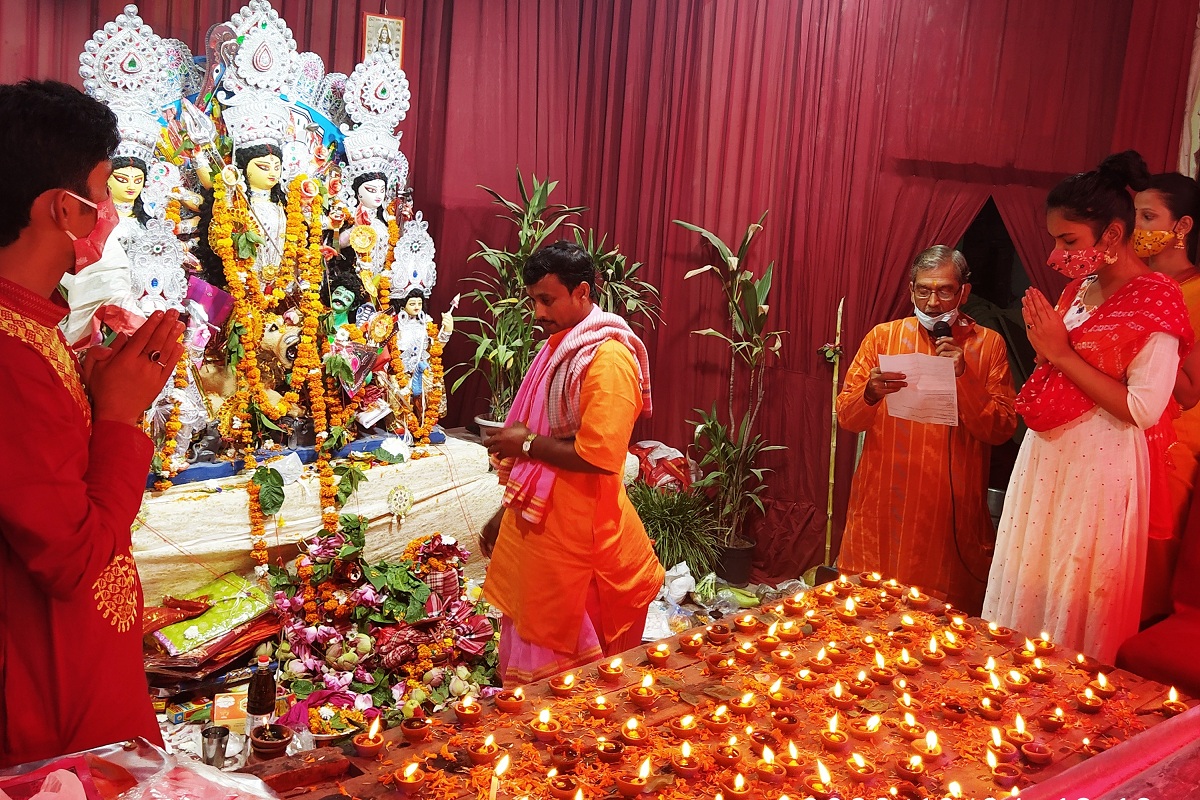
x,y
918,504
572,571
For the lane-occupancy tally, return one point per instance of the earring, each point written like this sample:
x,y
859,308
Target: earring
x,y
1179,241
1109,258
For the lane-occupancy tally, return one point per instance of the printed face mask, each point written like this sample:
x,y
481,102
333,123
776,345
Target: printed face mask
x,y
89,249
1078,263
1151,243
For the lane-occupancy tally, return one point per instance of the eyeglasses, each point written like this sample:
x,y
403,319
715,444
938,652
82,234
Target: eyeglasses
x,y
944,293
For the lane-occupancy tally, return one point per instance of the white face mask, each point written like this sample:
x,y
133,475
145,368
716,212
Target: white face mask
x,y
928,322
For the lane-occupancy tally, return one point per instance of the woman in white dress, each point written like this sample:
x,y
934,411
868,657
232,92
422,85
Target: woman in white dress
x,y
1070,551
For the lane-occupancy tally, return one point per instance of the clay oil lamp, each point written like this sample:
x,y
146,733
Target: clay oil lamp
x,y
846,612
789,631
411,779
684,727
1003,775
990,709
902,686
1017,734
1102,686
861,686
644,695
951,643
894,588
632,735
908,623
415,729
745,652
600,708
1086,663
861,770
563,685
783,658
369,744
999,633
906,664
1173,706
836,654
868,644
814,620
769,640
545,730
911,768
784,721
1043,645
609,752
909,728
994,690
906,703
916,599
833,740
807,679
843,586
760,739
791,763
468,711
1036,753
611,672
886,601
820,785
1088,702
691,646
511,702
778,696
960,626
658,655
794,606
953,712
1016,681
484,752
718,664
1039,672
820,662
1051,722
982,672
881,672
684,765
871,580
630,785
1003,750
928,748
839,698
738,788
932,656
746,624
745,705
728,755
717,720
561,787
865,730
1026,654
718,634
866,607
768,770
826,595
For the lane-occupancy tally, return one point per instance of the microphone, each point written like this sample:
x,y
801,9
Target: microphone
x,y
941,330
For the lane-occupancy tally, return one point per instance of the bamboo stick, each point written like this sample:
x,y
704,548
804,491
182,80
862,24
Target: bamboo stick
x,y
837,362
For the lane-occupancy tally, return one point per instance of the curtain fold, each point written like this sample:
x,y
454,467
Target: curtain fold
x,y
1023,209
867,130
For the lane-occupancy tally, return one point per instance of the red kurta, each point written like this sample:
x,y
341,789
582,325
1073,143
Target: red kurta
x,y
71,673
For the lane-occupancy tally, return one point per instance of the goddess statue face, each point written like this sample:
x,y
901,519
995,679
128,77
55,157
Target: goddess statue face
x,y
263,173
126,184
414,307
370,194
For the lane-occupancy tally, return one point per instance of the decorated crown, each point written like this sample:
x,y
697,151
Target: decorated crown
x,y
266,57
376,99
122,64
255,117
139,133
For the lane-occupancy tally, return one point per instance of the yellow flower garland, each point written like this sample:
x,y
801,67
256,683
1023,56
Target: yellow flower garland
x,y
171,428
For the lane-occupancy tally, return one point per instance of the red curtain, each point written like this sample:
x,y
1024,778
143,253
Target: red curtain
x,y
869,130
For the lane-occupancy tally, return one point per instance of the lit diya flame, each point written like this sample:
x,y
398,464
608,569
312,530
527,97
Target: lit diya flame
x,y
410,770
1172,696
373,733
821,654
810,614
842,579
996,740
804,673
776,686
932,644
955,789
837,690
910,720
544,717
615,664
875,576
1019,725
518,694
489,742
931,741
1101,681
833,723
787,626
553,773
733,741
648,682
661,649
793,753
568,680
992,762
879,662
721,712
913,593
1079,658
823,774
1015,676
850,605
768,756
739,783
959,622
747,699
774,626
1089,694
748,619
903,684
951,638
1037,664
915,762
685,751
869,640
631,726
1029,648
904,655
861,677
907,620
1045,637
990,665
467,702
873,723
687,722
859,761
600,701
995,681
747,646
986,703
993,627
697,639
1058,712
798,598
906,700
644,770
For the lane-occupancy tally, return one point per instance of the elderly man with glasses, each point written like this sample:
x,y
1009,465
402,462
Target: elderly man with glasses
x,y
918,504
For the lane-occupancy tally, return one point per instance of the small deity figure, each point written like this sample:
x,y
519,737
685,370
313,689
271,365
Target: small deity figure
x,y
413,341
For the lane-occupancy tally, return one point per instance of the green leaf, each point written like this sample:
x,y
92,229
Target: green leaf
x,y
233,343
302,688
379,454
246,243
350,475
338,367
270,492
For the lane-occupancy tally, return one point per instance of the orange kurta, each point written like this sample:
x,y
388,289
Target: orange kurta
x,y
919,496
539,575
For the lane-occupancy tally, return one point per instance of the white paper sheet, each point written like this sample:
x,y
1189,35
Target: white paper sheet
x,y
931,395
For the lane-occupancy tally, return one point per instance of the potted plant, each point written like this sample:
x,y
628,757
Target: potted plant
x,y
620,287
728,442
682,525
504,341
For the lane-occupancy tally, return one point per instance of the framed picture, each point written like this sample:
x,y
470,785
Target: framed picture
x,y
383,33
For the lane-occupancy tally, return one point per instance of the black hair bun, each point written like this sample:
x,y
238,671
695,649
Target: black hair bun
x,y
1126,169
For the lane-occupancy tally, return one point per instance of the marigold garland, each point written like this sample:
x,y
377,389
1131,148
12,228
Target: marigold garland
x,y
171,428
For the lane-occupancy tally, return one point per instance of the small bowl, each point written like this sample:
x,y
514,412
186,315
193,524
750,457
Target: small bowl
x,y
269,741
1037,753
953,712
416,729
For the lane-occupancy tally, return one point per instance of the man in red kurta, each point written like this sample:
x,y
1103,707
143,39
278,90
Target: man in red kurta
x,y
918,508
73,461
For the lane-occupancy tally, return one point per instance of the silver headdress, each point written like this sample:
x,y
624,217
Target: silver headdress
x,y
139,132
263,67
376,99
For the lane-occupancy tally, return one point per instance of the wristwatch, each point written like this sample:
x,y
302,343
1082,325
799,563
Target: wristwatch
x,y
528,441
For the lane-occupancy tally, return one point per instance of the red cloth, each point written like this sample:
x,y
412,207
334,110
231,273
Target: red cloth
x,y
71,673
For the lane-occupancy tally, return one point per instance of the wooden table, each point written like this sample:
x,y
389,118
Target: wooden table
x,y
688,688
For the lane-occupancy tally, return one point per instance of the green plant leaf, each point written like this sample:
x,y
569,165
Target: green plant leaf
x,y
350,476
270,491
